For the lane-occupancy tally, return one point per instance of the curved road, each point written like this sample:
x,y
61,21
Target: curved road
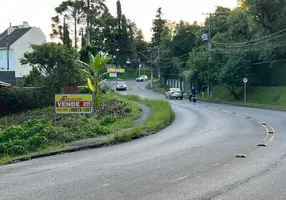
x,y
194,158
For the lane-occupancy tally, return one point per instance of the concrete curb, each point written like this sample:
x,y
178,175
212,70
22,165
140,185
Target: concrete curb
x,y
68,150
95,142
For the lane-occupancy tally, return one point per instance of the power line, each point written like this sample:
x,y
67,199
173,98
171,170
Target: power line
x,y
240,50
255,40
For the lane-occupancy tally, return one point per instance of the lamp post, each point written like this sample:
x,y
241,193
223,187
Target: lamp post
x,y
150,65
140,69
117,56
245,80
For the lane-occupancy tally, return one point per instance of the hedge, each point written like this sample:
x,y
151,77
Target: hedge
x,y
13,100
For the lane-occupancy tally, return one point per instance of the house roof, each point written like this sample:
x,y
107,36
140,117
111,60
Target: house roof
x,y
13,37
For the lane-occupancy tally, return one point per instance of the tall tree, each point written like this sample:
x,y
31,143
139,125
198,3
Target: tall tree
x,y
270,14
93,9
140,45
125,38
66,36
158,27
119,19
119,14
165,61
72,11
126,46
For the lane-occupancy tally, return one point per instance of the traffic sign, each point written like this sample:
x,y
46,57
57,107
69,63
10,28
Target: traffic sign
x,y
245,80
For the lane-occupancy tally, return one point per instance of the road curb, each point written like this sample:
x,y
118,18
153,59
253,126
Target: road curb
x,y
95,144
69,150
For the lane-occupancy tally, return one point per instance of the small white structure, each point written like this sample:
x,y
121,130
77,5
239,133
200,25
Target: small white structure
x,y
18,40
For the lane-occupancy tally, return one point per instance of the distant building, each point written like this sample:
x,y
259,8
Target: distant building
x,y
18,40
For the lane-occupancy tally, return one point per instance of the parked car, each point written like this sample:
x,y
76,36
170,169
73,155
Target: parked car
x,y
174,93
142,78
121,85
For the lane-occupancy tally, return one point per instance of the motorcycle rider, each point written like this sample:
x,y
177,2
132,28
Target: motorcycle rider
x,y
193,94
193,91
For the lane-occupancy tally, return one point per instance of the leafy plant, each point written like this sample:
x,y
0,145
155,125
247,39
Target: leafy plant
x,y
94,73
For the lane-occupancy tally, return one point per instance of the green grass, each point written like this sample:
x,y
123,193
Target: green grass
x,y
157,87
155,82
257,96
35,131
7,159
160,117
127,121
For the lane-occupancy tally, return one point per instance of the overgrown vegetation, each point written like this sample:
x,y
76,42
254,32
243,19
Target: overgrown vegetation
x,y
158,87
35,130
257,96
39,131
13,101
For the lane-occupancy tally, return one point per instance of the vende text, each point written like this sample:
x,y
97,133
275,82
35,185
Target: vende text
x,y
69,104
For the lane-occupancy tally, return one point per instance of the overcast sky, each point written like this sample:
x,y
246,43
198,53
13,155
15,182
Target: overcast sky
x,y
39,12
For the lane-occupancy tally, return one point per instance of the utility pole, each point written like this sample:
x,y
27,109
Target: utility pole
x,y
151,69
209,39
88,24
159,71
210,36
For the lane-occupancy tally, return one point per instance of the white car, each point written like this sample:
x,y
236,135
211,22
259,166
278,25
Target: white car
x,y
121,85
142,78
174,93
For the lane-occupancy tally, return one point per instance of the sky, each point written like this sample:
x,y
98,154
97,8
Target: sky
x,y
38,13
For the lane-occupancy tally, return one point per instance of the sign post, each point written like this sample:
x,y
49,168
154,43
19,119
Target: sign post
x,y
73,103
245,80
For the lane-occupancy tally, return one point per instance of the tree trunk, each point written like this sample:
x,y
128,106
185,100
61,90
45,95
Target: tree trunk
x,y
75,31
232,91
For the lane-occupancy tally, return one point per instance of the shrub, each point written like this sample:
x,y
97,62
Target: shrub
x,y
30,136
12,100
109,119
84,90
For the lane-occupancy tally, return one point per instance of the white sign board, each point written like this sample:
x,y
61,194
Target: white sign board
x,y
245,80
113,75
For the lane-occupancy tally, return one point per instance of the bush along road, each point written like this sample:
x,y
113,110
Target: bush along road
x,y
257,96
119,118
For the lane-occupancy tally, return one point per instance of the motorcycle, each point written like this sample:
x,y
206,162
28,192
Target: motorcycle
x,y
193,97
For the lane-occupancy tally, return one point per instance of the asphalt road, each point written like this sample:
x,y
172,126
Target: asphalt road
x,y
194,158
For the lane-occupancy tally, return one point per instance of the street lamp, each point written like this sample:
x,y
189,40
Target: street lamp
x,y
150,66
139,67
206,38
128,61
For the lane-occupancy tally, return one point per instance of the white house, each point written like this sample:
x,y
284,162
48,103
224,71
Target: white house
x,y
18,40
